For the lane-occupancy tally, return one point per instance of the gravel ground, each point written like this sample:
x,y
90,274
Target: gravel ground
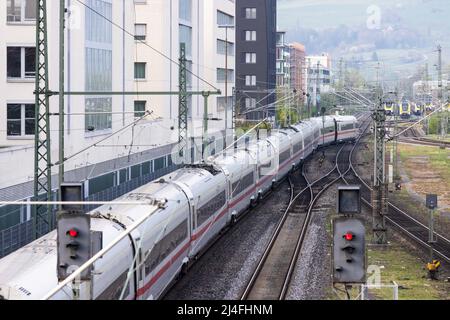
x,y
311,279
224,270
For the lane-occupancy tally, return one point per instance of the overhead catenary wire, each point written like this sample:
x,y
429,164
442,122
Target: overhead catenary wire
x,y
145,43
102,140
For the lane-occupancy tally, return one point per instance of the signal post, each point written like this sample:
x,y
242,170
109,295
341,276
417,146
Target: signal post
x,y
349,239
74,243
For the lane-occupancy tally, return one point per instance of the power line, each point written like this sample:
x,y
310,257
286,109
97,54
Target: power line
x,y
144,43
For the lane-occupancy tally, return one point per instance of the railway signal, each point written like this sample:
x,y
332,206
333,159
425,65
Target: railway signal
x,y
74,234
349,250
349,200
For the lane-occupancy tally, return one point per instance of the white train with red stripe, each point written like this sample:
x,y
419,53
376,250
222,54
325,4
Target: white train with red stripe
x,y
201,200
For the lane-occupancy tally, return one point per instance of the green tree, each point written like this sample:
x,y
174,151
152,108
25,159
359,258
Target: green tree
x,y
287,115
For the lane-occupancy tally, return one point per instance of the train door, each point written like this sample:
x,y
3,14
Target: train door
x,y
336,131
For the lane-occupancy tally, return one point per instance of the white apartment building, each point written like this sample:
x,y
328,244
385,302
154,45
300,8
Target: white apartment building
x,y
164,24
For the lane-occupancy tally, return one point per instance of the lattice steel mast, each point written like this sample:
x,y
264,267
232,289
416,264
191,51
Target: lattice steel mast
x,y
380,187
182,104
42,221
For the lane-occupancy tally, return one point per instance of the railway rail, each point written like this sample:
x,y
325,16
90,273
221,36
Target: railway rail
x,y
413,137
271,278
397,217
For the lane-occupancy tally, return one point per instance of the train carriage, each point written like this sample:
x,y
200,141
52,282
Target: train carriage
x,y
282,145
266,169
389,108
310,133
347,130
240,169
405,110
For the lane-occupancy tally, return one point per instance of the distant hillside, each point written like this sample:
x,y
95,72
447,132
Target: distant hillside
x,y
401,33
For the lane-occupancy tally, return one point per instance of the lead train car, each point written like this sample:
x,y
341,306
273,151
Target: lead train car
x,y
200,201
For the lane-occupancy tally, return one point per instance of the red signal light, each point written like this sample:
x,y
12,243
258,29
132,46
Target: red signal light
x,y
73,233
349,236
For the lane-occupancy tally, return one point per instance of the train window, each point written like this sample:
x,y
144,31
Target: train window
x,y
298,147
284,156
348,126
239,186
308,141
328,130
265,169
210,208
166,246
114,291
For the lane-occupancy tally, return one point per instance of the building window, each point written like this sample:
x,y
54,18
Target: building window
x,y
224,18
139,108
21,10
139,70
250,13
250,57
222,46
222,102
21,62
186,38
140,31
250,81
185,11
221,75
98,65
250,35
20,120
250,103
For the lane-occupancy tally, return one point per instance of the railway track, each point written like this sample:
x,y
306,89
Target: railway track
x,y
413,137
272,276
398,218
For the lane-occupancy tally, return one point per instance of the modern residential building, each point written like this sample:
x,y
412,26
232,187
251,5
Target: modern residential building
x,y
298,69
255,58
318,76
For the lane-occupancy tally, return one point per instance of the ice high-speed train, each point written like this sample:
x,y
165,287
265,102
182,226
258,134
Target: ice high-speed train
x,y
200,201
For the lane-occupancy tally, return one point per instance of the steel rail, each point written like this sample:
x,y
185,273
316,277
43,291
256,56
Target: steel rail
x,y
404,214
302,235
